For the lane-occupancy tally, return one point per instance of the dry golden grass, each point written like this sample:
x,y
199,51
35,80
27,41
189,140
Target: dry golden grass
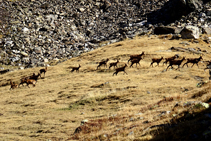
x,y
116,105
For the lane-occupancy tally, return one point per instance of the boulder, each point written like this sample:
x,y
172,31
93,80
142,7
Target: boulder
x,y
164,30
190,32
24,54
173,10
209,12
206,30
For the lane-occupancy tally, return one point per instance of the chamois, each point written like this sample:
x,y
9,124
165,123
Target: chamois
x,y
136,60
175,62
43,71
103,63
170,58
120,69
193,61
23,80
13,85
136,56
114,64
76,68
156,60
34,77
31,81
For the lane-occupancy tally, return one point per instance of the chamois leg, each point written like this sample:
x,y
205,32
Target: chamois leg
x,y
131,65
194,64
151,64
125,72
115,73
185,64
178,67
168,67
98,66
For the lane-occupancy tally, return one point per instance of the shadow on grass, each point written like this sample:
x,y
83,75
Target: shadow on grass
x,y
191,126
171,11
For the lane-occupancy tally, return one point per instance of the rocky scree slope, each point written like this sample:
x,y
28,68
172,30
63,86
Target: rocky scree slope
x,y
39,31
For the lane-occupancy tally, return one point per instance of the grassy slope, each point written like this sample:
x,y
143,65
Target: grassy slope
x,y
44,112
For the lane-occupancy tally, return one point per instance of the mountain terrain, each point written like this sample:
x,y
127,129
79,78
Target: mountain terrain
x,y
147,103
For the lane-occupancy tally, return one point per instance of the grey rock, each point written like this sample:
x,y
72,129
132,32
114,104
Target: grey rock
x,y
206,30
38,50
190,32
24,54
43,29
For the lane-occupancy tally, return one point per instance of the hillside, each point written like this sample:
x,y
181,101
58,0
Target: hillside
x,y
122,107
37,31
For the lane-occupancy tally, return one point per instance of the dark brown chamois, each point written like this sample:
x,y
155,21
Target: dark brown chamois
x,y
13,85
175,62
193,61
170,58
120,69
135,61
136,56
76,68
156,60
43,71
34,77
23,80
103,63
114,64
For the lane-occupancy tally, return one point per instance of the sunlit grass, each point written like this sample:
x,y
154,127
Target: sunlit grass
x,y
60,101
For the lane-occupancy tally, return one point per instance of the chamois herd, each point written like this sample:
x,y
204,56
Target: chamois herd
x,y
29,79
134,59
